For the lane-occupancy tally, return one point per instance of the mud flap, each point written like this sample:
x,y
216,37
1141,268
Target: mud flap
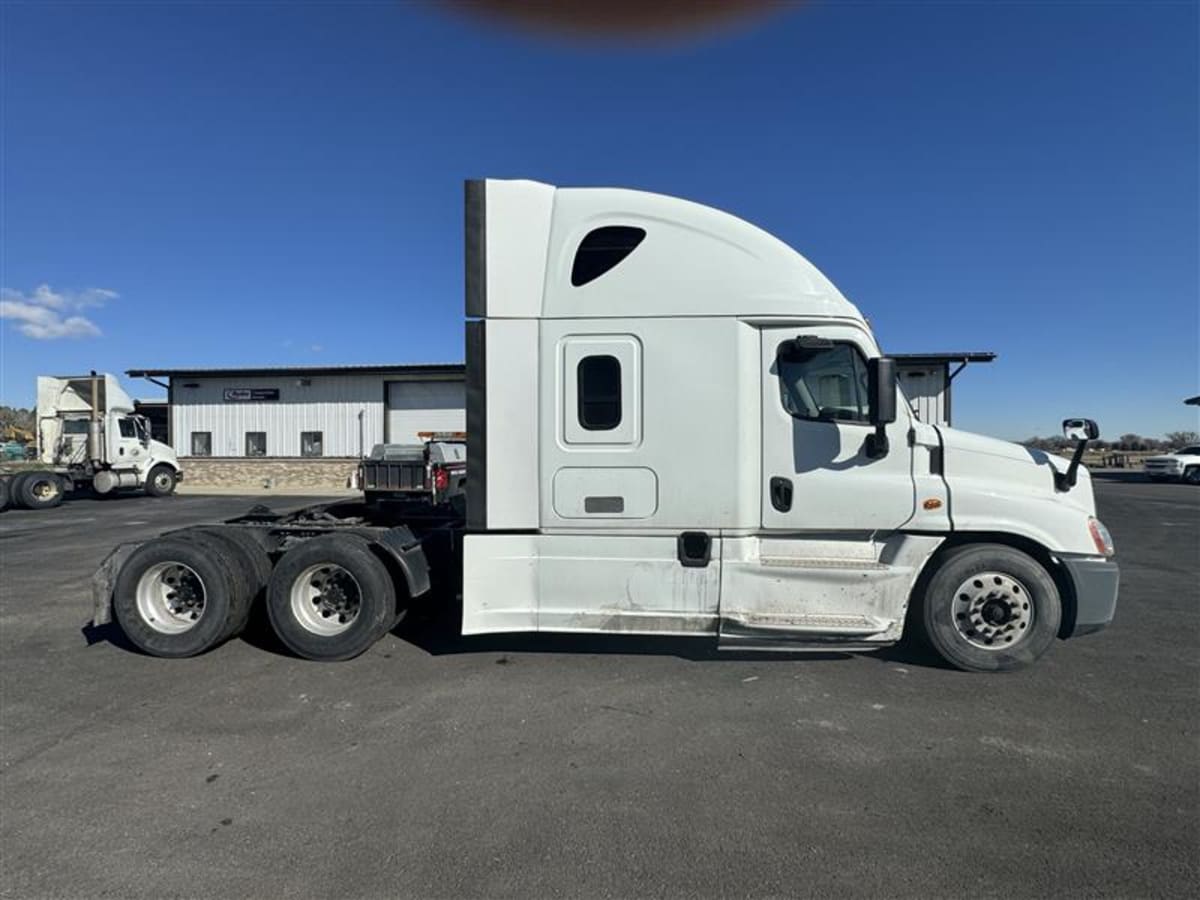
x,y
104,580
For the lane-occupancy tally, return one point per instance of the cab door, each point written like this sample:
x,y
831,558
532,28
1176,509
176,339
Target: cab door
x,y
126,449
817,472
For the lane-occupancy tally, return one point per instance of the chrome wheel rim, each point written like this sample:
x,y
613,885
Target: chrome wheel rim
x,y
993,611
162,481
325,599
45,488
171,597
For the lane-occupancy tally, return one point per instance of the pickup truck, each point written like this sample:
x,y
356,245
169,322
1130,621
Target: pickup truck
x,y
435,469
675,425
1179,465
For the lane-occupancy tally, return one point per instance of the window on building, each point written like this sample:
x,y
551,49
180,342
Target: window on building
x,y
201,443
256,443
599,389
826,383
602,249
127,428
312,443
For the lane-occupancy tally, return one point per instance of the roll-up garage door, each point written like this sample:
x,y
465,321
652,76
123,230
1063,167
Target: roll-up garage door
x,y
415,406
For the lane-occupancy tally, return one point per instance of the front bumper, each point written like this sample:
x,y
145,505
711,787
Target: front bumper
x,y
1095,582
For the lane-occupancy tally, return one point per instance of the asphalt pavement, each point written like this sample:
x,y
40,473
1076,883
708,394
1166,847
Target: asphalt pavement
x,y
550,767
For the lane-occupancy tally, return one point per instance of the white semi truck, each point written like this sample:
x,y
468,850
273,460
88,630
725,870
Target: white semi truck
x,y
676,425
88,436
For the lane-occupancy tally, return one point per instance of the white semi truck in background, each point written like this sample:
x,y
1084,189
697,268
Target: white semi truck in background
x,y
88,436
676,425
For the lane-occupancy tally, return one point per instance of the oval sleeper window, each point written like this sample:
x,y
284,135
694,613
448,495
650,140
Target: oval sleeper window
x,y
598,385
603,248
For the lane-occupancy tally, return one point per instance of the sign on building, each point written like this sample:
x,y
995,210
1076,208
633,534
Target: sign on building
x,y
246,395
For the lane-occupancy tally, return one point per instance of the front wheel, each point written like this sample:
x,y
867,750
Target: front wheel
x,y
989,608
161,481
331,598
1192,475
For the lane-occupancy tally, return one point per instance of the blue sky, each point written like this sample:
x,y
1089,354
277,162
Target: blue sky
x,y
274,183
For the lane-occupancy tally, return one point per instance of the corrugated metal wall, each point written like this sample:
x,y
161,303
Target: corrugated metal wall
x,y
927,390
329,404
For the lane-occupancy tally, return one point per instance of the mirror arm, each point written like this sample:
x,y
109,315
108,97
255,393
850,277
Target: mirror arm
x,y
1064,481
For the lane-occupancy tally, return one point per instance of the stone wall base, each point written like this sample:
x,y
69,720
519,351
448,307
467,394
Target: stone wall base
x,y
317,475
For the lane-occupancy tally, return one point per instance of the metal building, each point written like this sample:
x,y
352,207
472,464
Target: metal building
x,y
927,379
332,411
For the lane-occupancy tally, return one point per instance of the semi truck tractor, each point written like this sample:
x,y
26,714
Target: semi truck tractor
x,y
88,436
676,425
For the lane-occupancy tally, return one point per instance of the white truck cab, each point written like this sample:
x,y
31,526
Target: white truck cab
x,y
676,424
89,435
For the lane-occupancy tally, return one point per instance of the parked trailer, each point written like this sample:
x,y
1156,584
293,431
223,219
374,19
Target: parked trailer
x,y
676,425
89,437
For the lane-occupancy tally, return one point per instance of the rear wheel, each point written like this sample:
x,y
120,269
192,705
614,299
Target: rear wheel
x,y
1192,475
176,597
331,598
250,558
40,490
160,481
3,494
989,608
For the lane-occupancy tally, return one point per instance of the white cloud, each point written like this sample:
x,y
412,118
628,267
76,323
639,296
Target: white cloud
x,y
46,315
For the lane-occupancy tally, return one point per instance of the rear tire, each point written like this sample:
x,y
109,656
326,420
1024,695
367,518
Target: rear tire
x,y
176,597
1192,475
160,482
3,494
40,490
989,608
331,598
252,561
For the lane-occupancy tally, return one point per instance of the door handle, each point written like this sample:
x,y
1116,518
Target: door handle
x,y
781,493
694,549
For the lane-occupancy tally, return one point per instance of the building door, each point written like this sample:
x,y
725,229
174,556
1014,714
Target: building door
x,y
416,406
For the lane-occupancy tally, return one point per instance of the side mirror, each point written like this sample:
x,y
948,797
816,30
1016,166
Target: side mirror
x,y
881,390
881,398
1080,430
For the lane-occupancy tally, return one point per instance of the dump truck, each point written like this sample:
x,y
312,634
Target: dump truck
x,y
675,425
88,437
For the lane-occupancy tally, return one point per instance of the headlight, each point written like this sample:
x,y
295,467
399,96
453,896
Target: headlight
x,y
1100,537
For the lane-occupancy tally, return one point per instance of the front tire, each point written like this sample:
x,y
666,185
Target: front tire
x,y
331,598
161,480
989,608
1192,475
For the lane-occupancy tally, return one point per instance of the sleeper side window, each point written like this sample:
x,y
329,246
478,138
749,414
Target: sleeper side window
x,y
823,382
599,392
602,249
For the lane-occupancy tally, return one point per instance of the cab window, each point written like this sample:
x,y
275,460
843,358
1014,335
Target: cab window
x,y
824,382
128,430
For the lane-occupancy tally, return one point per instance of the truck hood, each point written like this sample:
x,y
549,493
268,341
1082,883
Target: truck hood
x,y
997,485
